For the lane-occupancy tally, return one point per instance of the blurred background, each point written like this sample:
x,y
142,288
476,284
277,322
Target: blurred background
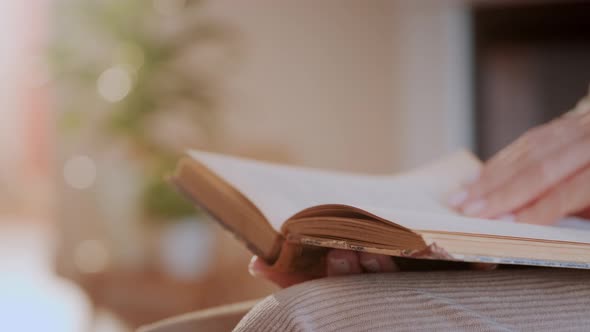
x,y
98,99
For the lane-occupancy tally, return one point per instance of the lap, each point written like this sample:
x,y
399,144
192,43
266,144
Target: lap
x,y
503,300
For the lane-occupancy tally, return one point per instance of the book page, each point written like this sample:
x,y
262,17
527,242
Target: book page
x,y
567,230
413,199
281,191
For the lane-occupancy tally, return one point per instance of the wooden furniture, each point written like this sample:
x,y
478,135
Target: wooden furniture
x,y
531,64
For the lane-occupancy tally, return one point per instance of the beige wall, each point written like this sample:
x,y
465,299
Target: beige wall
x,y
358,85
316,79
432,80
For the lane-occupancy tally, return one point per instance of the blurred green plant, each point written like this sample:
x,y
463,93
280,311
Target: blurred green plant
x,y
148,74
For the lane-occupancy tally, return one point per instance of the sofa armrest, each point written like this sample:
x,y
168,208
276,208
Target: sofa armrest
x,y
216,319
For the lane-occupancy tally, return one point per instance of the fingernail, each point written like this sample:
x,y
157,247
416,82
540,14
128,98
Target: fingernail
x,y
457,199
474,208
371,265
507,217
253,268
253,271
339,265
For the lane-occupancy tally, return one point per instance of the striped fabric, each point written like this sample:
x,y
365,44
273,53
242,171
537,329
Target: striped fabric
x,y
503,300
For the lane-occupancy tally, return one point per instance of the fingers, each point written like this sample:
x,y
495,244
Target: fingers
x,y
532,182
345,262
342,262
526,169
535,145
338,263
569,197
375,263
505,164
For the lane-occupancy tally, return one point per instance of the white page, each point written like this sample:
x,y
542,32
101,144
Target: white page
x,y
428,221
413,199
281,191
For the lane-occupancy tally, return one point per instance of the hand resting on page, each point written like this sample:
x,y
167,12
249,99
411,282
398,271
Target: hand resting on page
x,y
540,178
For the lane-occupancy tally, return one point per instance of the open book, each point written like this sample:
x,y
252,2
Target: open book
x,y
403,215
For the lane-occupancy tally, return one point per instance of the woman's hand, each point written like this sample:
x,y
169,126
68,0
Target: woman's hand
x,y
543,176
540,178
345,262
338,263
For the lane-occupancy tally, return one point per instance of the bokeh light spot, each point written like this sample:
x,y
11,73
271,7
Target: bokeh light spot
x,y
114,84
